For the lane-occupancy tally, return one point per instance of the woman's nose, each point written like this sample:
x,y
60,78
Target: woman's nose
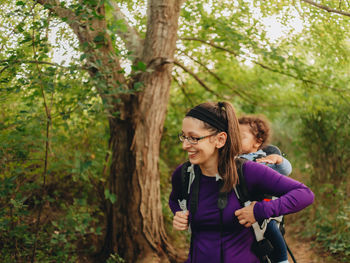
x,y
185,144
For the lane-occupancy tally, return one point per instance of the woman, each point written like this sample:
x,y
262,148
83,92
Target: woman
x,y
210,135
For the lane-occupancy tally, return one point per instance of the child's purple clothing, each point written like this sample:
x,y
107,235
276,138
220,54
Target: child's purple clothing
x,y
237,240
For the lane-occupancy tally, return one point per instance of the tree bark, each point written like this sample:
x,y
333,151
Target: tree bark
x,y
134,227
139,222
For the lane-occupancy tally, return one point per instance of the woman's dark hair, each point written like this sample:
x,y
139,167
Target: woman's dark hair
x,y
259,127
232,148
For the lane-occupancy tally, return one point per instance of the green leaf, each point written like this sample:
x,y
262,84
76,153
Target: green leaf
x,y
20,3
99,38
111,197
83,56
138,86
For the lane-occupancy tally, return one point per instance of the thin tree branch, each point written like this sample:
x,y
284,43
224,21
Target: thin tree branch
x,y
210,44
307,81
235,90
14,28
253,61
57,8
47,145
32,62
23,61
201,82
17,160
327,8
35,62
130,36
182,87
92,33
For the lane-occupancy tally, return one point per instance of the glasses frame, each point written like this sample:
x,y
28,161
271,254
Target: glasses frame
x,y
182,138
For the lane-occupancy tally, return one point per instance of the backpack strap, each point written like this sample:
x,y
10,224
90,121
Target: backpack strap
x,y
190,175
195,191
262,247
241,188
185,178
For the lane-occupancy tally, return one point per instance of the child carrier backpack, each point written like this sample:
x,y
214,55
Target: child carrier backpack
x,y
190,179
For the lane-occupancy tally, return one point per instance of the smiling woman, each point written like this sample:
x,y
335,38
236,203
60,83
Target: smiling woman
x,y
211,137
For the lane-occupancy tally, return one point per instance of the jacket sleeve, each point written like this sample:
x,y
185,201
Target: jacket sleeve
x,y
176,190
293,195
284,167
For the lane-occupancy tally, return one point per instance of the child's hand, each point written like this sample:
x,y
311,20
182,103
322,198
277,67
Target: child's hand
x,y
272,159
245,215
180,220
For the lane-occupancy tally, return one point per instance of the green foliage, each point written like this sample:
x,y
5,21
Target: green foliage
x,y
333,233
45,104
115,258
324,131
327,139
299,80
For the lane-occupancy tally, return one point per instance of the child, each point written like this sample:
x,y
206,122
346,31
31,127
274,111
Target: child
x,y
255,133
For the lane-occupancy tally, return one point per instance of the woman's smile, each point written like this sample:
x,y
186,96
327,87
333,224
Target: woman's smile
x,y
192,154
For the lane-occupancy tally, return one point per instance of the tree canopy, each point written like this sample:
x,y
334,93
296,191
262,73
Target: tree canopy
x,y
86,86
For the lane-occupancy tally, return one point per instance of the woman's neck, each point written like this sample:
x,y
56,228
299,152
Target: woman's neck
x,y
209,169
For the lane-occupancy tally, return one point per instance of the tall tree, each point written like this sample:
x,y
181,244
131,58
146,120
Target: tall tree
x,y
136,115
217,39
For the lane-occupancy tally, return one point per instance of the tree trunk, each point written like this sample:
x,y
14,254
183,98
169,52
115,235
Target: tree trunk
x,y
140,231
134,228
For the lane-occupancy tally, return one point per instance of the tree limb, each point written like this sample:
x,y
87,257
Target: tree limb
x,y
47,146
91,32
61,11
201,82
235,90
210,44
182,87
33,62
131,37
260,64
327,8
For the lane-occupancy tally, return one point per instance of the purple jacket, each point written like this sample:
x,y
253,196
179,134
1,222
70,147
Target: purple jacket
x,y
237,240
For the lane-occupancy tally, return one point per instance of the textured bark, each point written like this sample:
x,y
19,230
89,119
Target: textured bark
x,y
134,227
145,220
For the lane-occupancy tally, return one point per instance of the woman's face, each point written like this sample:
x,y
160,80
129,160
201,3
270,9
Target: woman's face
x,y
249,143
205,152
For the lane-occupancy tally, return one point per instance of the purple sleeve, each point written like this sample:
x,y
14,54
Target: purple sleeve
x,y
293,195
176,190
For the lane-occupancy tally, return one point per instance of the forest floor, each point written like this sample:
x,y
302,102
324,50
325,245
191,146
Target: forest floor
x,y
304,250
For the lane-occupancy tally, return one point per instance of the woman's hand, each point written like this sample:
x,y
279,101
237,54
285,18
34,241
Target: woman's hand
x,y
180,220
272,159
245,215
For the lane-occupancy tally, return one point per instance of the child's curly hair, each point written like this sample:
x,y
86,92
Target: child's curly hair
x,y
259,127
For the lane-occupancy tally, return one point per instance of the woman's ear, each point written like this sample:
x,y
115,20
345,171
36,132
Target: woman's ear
x,y
221,139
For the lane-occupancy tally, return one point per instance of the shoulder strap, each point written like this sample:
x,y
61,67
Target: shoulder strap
x,y
185,185
241,188
195,191
185,178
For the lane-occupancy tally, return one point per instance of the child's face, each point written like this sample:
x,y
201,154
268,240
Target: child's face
x,y
249,142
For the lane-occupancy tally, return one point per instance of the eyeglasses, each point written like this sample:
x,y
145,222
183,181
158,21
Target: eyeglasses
x,y
193,140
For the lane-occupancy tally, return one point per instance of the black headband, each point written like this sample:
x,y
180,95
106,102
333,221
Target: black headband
x,y
209,117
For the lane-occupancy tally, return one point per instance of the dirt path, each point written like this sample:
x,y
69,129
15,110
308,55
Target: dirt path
x,y
303,251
